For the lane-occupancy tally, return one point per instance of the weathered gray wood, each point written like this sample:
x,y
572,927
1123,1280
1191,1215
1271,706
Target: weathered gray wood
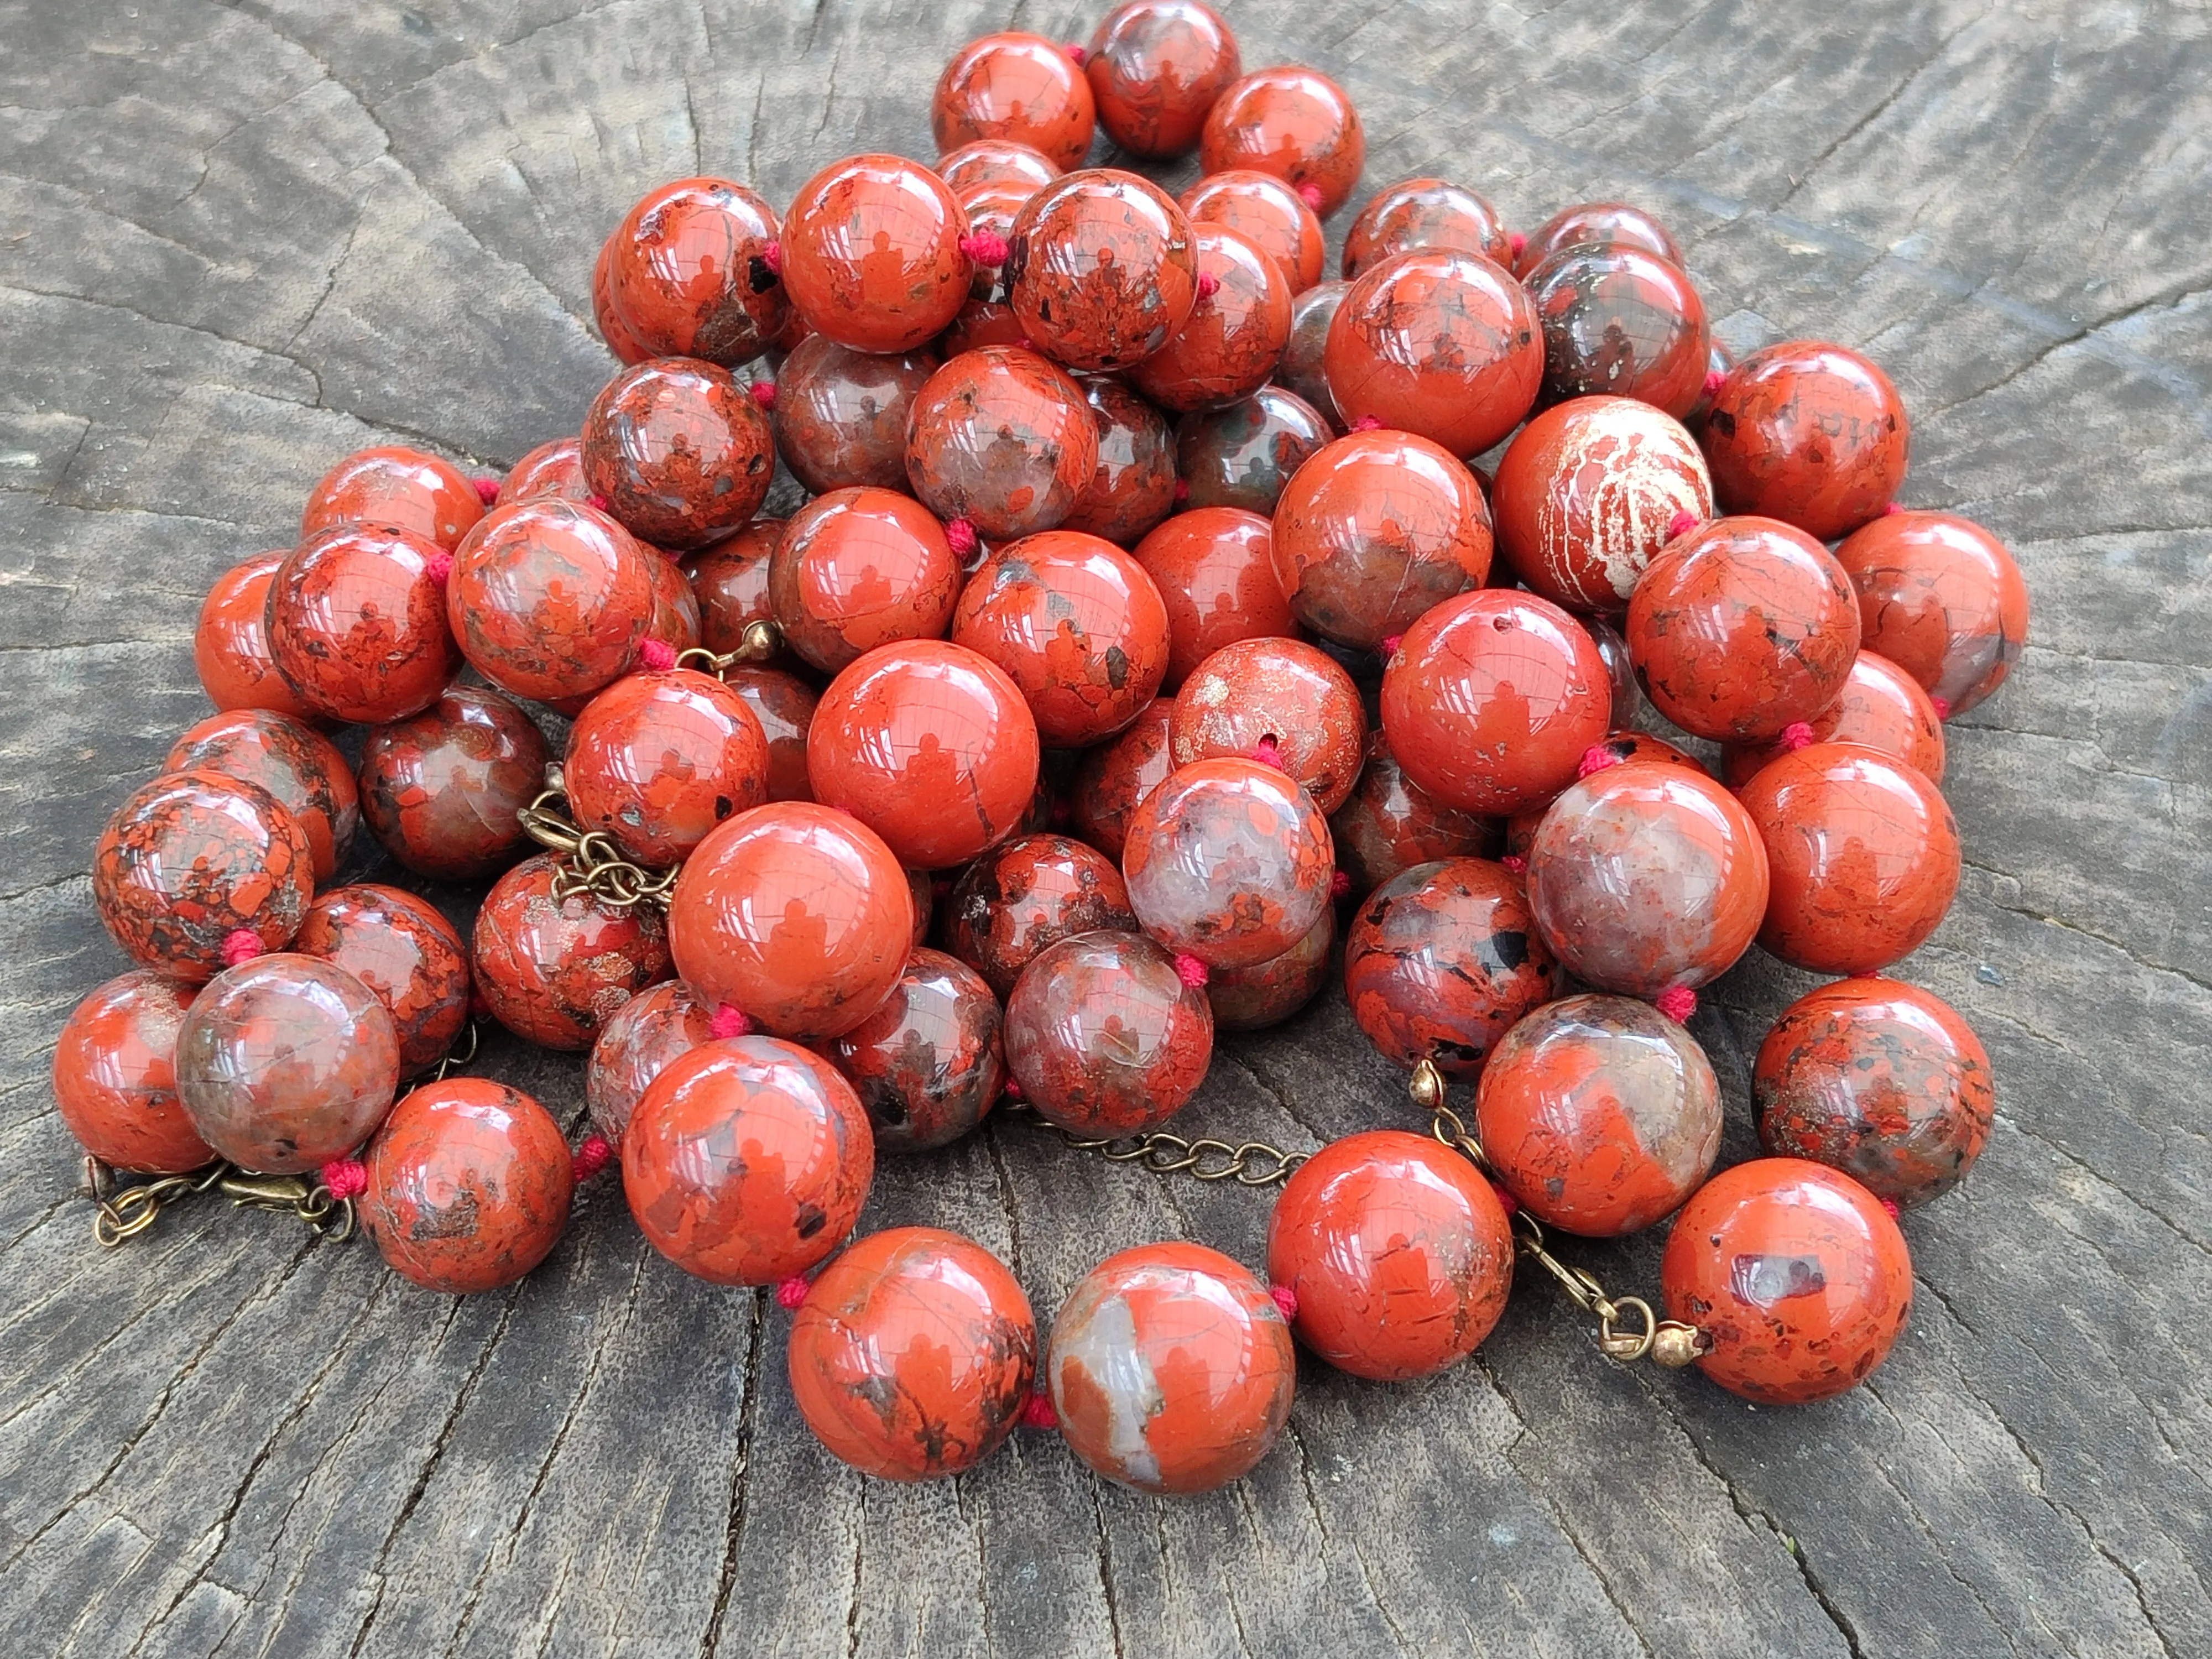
x,y
236,241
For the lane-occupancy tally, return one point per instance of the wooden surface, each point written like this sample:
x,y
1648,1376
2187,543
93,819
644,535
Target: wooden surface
x,y
239,241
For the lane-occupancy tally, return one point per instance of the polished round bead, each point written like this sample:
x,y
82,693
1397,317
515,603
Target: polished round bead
x,y
840,416
1940,597
982,323
357,625
1269,993
1492,698
627,347
1262,208
1032,892
1104,1037
1155,68
990,162
408,955
657,760
230,642
403,490
550,598
679,450
286,1063
1170,1368
729,581
1742,627
1229,861
1880,707
553,469
1018,87
1292,122
1621,322
1599,1114
1864,855
1437,343
308,776
1390,824
1234,335
784,705
1808,433
1797,1277
1280,700
1441,960
795,915
1215,570
1397,1252
1601,224
469,1186
872,255
1133,488
913,1355
115,1077
929,745
747,1161
1304,368
1100,269
858,568
690,272
659,1025
192,858
928,1064
440,790
553,969
1425,213
1245,453
1003,439
1113,778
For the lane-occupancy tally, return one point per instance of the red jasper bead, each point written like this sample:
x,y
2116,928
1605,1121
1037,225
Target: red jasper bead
x,y
407,954
690,272
929,745
626,346
1133,488
1171,1368
797,915
988,162
1647,877
1267,212
982,323
1880,1080
1796,1277
357,625
1155,68
1425,213
1294,123
840,415
680,451
1014,86
286,1063
1940,597
1437,343
1229,861
308,776
992,210
1621,322
872,253
1808,433
403,489
1275,697
115,1077
1880,707
1245,454
230,642
440,790
1104,1037
1627,697
928,1064
1076,624
1030,893
1599,224
1304,368
1492,700
913,1355
1234,336
659,1025
784,706
1399,1255
858,568
1375,531
469,1186
729,581
1864,855
657,760
1441,960
1390,824
1599,1114
1586,494
1269,993
549,598
747,1161
1003,439
194,857
554,969
1215,570
1100,269
675,621
551,469
1742,627
1112,779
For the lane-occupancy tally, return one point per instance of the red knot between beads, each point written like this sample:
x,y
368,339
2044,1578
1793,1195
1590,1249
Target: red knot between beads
x,y
593,1155
1506,1201
438,567
984,247
1367,423
240,945
791,1292
1796,735
1311,195
763,392
345,1177
960,537
1681,524
1390,644
1714,381
1191,971
1037,1411
657,655
1268,752
1181,491
1285,1300
1208,285
771,255
487,489
1076,54
1678,1003
1517,242
1340,884
1596,758
1942,707
729,1020
1515,863
596,501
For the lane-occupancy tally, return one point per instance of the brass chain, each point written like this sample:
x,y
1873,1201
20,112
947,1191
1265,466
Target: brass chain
x,y
758,642
123,1214
461,1055
1248,1163
590,862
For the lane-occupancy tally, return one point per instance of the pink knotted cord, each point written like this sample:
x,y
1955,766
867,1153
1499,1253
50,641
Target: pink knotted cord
x,y
1796,735
1340,884
593,1155
1208,285
1076,53
1390,644
1268,752
1595,759
1681,524
438,567
1366,423
960,537
1285,1300
771,255
1942,706
791,1292
763,392
984,247
487,489
657,654
1515,863
1191,971
1037,1411
1181,491
1518,243
345,1177
240,945
1311,195
1678,1003
728,1021
596,502
1714,381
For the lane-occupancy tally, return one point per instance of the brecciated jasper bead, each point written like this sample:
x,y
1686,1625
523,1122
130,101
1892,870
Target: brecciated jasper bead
x,y
680,451
784,704
230,643
394,489
407,953
1600,1114
928,1064
688,272
1027,893
1155,68
1133,487
1390,824
1104,1037
1808,433
659,1024
469,1184
1880,1080
1941,598
872,255
1003,439
857,568
1215,570
1416,213
440,789
1229,860
552,468
1170,1368
840,415
913,1355
1234,335
795,915
730,582
115,1077
1647,876
747,1161
1111,780
1441,960
1100,269
1797,1277
357,625
1292,122
1604,224
1244,455
1880,707
554,969
298,766
1397,1250
1280,696
1264,209
1015,86
549,598
994,161
286,1063
192,858
657,760
1269,993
